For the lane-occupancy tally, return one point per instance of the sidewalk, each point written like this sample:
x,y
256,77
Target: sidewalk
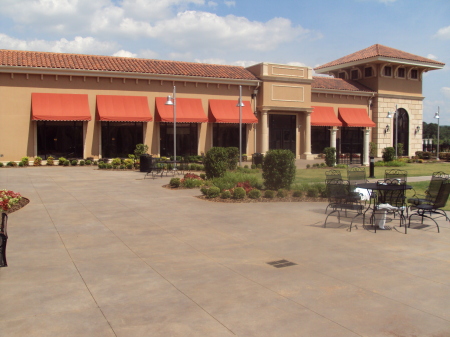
x,y
104,253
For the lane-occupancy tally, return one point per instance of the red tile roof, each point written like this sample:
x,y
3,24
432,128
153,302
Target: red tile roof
x,y
321,82
46,60
378,50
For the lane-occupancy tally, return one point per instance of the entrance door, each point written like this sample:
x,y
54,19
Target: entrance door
x,y
403,130
351,145
282,133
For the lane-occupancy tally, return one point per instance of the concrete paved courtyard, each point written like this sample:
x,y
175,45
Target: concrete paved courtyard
x,y
102,253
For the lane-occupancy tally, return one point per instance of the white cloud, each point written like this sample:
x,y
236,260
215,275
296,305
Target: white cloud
x,y
79,45
212,4
432,57
443,33
297,64
230,3
211,61
446,91
148,54
124,53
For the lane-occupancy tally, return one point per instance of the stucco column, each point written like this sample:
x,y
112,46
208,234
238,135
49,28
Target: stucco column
x,y
308,134
264,131
333,132
366,147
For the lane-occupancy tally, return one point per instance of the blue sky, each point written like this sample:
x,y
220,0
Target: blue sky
x,y
237,32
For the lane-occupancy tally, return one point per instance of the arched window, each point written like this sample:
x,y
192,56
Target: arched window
x,y
403,130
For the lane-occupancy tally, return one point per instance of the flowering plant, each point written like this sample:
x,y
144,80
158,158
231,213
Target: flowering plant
x,y
8,199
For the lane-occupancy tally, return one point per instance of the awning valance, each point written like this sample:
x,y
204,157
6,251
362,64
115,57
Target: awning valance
x,y
324,116
113,108
226,111
60,107
189,110
355,117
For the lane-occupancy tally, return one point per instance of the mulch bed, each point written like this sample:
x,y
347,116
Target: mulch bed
x,y
288,198
22,203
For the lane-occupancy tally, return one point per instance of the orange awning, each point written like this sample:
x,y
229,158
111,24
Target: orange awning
x,y
324,116
114,108
355,117
226,111
189,110
60,107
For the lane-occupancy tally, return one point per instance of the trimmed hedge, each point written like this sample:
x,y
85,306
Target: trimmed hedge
x,y
278,169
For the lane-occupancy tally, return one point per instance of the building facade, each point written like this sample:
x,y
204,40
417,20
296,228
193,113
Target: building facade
x,y
79,106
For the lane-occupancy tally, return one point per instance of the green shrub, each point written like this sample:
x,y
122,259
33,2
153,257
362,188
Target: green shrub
x,y
116,161
400,149
130,166
204,190
88,162
388,154
74,162
11,164
175,182
109,166
269,194
239,193
216,162
372,149
281,193
192,183
231,179
225,194
213,192
101,165
297,194
61,160
50,161
1,164
330,156
312,192
253,166
21,164
254,194
140,150
37,161
122,167
82,162
278,169
66,163
203,176
233,157
259,166
25,161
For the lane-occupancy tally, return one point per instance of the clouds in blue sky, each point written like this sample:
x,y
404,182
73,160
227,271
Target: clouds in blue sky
x,y
233,32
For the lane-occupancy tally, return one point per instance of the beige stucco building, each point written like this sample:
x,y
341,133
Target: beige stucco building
x,y
83,106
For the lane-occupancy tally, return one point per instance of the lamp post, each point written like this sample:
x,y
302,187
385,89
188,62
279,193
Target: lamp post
x,y
395,115
240,105
436,115
173,102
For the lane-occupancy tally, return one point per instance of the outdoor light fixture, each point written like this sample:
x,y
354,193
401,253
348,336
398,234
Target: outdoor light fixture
x,y
386,129
240,105
173,102
395,115
436,115
417,130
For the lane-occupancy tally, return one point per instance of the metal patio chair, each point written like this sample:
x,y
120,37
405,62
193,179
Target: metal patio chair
x,y
3,240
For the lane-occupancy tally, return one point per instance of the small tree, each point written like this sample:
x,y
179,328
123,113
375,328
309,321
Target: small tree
x,y
140,150
388,154
400,149
233,154
330,156
216,162
372,149
278,169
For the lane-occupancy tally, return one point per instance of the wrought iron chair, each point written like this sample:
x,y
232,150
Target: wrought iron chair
x,y
434,207
337,192
388,201
356,175
333,174
431,192
3,240
396,174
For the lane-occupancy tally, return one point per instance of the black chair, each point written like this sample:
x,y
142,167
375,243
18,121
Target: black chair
x,y
431,192
434,207
396,174
337,192
156,168
391,200
3,240
356,175
333,174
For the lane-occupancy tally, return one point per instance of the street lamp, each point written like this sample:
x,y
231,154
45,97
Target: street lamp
x,y
240,105
436,115
173,102
390,115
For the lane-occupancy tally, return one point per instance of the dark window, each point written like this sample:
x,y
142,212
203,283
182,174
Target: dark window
x,y
227,135
401,72
387,71
354,74
186,137
320,138
282,132
341,75
60,139
414,74
368,72
119,139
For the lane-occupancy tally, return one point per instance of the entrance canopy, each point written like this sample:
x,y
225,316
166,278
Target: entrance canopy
x,y
189,110
324,116
226,111
113,108
355,117
59,107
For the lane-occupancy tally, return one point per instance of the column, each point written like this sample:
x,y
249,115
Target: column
x,y
264,131
366,147
307,153
333,132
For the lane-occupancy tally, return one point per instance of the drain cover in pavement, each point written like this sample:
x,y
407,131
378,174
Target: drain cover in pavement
x,y
282,263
